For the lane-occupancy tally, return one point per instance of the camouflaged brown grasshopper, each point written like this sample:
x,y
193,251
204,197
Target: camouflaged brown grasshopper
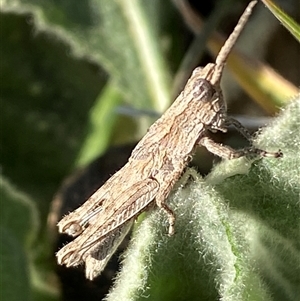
x,y
155,165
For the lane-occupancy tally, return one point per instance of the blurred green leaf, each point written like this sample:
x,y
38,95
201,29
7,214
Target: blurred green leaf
x,y
114,34
101,120
14,268
19,225
44,108
288,22
18,215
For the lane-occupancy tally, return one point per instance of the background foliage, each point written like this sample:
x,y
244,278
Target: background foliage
x,y
66,68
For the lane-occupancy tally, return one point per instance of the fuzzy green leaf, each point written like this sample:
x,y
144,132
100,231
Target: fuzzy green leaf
x,y
237,232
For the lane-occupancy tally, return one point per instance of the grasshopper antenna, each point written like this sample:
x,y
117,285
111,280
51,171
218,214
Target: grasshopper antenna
x,y
228,45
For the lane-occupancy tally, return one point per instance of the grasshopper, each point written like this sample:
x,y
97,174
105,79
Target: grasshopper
x,y
155,165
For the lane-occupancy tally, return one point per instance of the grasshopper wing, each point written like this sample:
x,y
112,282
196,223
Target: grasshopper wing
x,y
113,215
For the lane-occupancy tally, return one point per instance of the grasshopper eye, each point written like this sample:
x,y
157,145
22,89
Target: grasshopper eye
x,y
202,90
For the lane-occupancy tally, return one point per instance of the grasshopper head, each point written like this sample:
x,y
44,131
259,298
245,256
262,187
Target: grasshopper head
x,y
208,94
